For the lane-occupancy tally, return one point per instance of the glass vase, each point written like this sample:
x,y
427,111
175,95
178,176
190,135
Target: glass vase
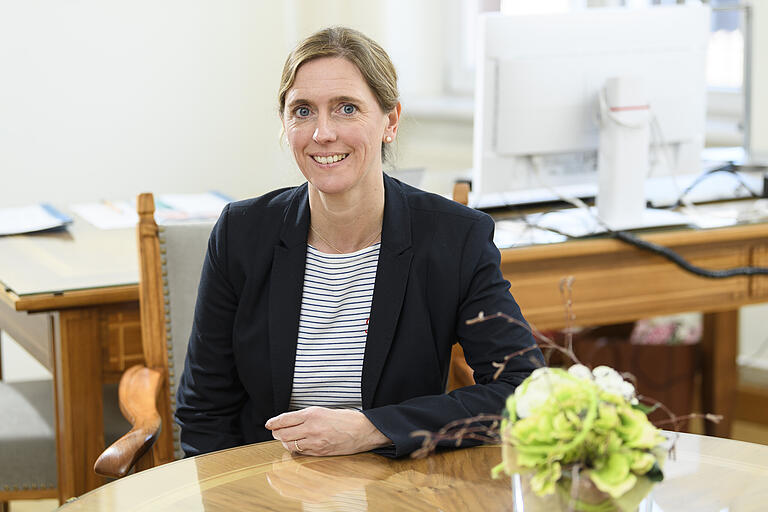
x,y
582,497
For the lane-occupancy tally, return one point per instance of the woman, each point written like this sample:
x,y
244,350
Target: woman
x,y
326,312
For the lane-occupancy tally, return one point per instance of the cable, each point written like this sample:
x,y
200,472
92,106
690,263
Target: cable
x,y
682,262
673,167
729,168
645,245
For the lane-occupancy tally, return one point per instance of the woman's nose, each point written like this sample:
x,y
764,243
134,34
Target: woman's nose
x,y
324,131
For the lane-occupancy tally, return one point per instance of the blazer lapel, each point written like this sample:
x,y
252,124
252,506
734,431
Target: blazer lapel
x,y
285,289
389,291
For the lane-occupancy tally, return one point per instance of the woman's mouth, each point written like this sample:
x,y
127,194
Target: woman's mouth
x,y
329,159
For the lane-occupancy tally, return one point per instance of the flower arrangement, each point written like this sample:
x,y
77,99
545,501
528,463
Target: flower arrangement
x,y
563,427
580,434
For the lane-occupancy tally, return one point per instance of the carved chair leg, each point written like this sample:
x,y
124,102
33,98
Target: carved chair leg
x,y
4,506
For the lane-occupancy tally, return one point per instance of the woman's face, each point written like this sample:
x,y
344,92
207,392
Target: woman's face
x,y
335,126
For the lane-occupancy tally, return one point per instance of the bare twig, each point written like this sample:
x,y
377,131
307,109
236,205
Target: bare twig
x,y
476,428
542,340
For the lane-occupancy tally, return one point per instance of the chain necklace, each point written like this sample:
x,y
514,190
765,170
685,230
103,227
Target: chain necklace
x,y
366,244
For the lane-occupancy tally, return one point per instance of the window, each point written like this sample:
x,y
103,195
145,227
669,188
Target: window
x,y
460,43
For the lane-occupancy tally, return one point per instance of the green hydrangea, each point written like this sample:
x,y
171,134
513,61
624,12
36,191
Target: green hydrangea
x,y
559,419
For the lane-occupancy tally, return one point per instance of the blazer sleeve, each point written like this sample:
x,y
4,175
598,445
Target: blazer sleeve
x,y
483,289
210,395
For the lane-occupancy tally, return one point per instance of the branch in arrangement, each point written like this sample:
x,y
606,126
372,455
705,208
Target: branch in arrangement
x,y
672,418
460,430
714,418
542,340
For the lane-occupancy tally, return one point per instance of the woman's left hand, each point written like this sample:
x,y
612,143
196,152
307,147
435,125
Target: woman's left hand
x,y
322,431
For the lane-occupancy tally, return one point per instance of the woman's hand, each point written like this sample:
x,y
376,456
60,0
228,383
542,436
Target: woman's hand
x,y
321,431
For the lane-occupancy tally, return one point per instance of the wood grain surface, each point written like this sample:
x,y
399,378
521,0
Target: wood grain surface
x,y
706,474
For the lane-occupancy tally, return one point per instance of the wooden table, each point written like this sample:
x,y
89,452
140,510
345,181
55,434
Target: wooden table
x,y
70,298
614,282
707,474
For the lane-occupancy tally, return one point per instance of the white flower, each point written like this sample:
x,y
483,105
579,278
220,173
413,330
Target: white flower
x,y
542,381
537,391
610,381
580,371
607,379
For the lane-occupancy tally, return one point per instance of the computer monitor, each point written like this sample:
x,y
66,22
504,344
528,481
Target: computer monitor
x,y
536,95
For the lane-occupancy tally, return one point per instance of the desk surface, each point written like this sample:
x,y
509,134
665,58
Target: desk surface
x,y
45,270
707,474
84,265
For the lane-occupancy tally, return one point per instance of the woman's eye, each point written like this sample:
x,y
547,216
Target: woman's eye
x,y
302,112
348,109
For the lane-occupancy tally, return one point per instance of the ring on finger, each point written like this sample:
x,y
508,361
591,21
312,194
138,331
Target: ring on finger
x,y
296,444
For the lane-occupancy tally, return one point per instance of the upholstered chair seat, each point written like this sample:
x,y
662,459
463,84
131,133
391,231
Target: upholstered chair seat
x,y
28,435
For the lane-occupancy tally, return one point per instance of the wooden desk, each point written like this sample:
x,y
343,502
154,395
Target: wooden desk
x,y
71,299
80,290
614,282
707,474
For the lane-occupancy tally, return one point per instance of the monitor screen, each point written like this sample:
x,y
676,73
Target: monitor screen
x,y
537,86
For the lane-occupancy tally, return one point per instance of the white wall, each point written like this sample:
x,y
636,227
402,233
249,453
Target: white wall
x,y
104,99
17,364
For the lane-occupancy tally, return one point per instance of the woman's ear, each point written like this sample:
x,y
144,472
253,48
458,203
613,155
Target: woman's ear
x,y
393,121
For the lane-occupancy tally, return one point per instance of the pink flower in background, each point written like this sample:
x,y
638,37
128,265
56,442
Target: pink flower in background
x,y
649,332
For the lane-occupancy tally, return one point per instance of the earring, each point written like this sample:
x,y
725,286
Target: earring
x,y
388,139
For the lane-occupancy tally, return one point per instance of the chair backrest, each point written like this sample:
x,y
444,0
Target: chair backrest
x,y
170,261
459,373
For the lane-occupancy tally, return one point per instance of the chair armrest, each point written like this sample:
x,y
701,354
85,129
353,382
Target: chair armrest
x,y
139,389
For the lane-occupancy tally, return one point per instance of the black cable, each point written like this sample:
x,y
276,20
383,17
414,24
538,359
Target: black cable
x,y
666,252
683,263
729,168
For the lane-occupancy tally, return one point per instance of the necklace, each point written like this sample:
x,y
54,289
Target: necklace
x,y
366,244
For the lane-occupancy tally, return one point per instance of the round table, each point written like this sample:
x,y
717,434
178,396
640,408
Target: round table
x,y
705,474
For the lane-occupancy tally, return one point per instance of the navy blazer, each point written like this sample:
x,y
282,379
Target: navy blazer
x,y
438,267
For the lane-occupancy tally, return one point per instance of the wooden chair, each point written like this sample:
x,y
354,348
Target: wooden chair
x,y
460,374
170,261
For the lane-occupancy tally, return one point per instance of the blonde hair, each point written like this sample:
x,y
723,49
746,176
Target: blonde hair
x,y
362,51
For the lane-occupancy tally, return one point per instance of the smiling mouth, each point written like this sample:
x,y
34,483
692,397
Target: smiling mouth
x,y
330,159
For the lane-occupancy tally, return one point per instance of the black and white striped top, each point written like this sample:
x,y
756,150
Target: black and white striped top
x,y
333,327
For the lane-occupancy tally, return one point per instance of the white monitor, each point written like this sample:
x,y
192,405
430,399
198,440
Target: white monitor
x,y
536,95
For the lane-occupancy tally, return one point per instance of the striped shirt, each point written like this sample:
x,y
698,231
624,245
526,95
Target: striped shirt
x,y
333,328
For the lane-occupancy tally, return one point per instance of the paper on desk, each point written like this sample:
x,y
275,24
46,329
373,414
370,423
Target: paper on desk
x,y
580,222
108,214
728,213
171,207
168,208
30,219
517,233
